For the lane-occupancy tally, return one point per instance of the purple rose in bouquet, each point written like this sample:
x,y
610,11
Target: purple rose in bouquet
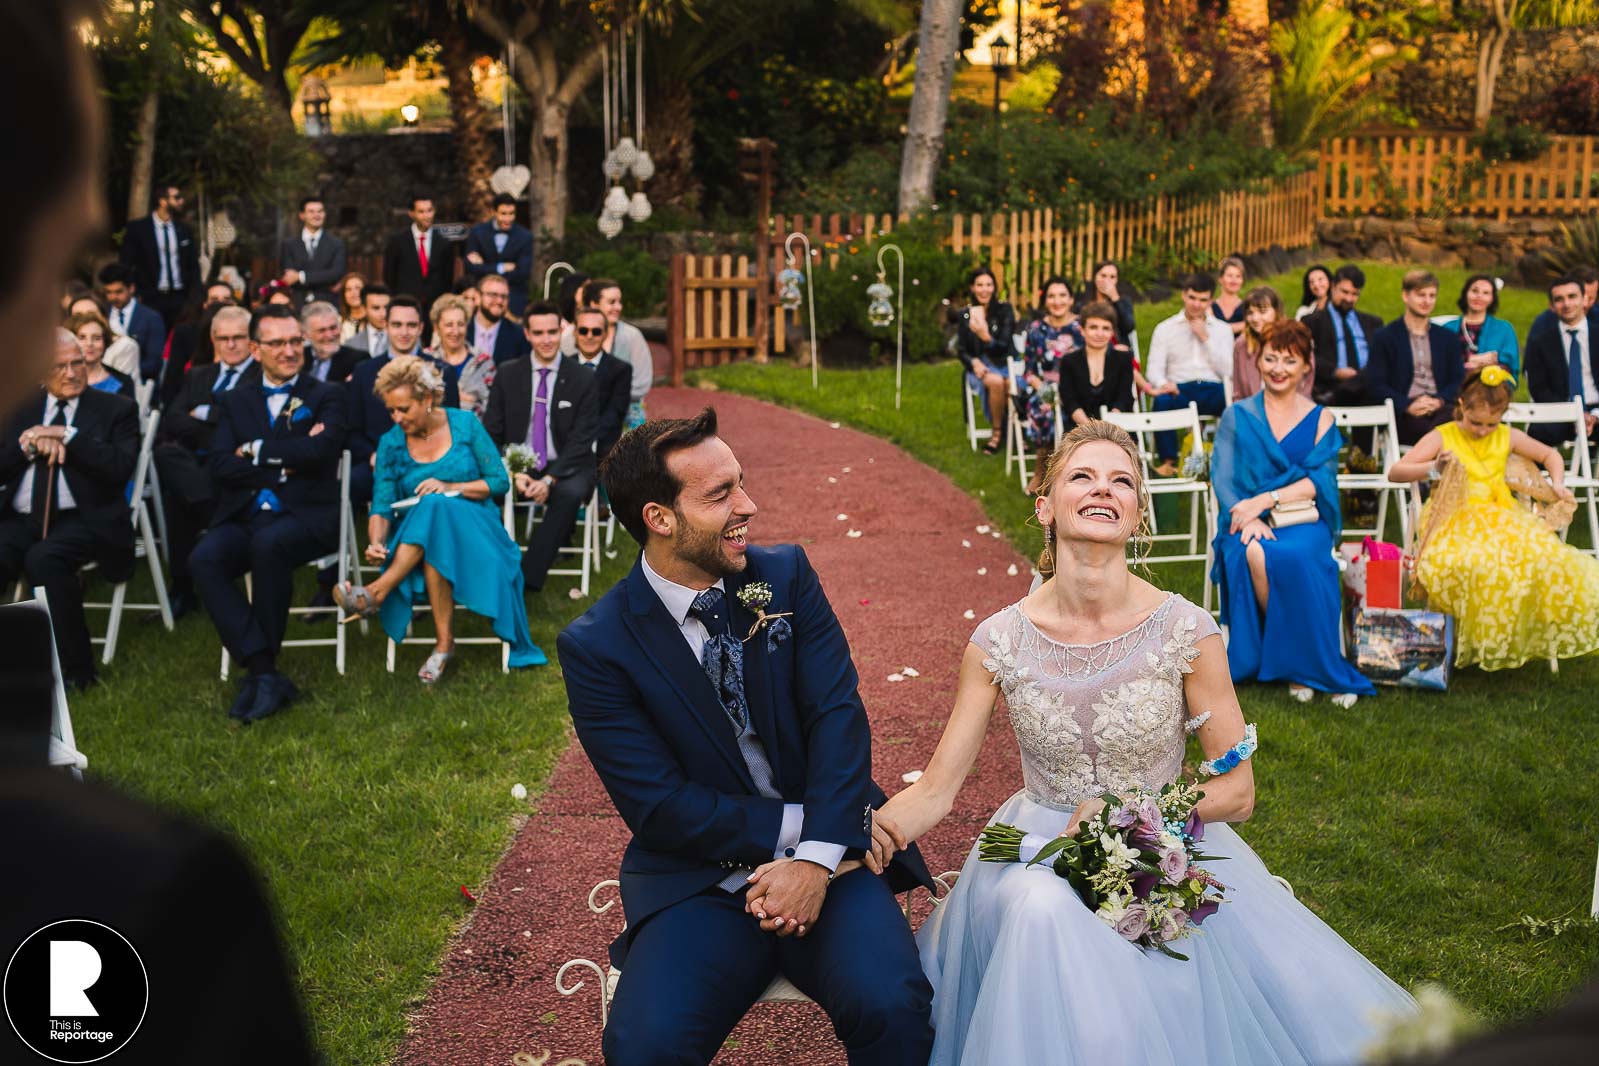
x,y
1134,923
1174,865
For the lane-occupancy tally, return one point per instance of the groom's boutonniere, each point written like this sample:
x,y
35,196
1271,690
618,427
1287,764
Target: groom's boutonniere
x,y
295,403
756,597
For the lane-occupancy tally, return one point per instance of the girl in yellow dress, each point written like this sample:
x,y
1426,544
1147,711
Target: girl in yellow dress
x,y
1517,592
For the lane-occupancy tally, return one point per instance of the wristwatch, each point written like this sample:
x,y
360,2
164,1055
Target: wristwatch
x,y
1276,497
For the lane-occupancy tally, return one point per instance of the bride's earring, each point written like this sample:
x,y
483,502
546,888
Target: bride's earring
x,y
1046,558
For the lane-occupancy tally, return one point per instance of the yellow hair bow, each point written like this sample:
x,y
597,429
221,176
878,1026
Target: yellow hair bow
x,y
1494,376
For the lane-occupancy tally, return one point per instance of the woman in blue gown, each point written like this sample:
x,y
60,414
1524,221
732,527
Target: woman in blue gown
x,y
447,547
1277,449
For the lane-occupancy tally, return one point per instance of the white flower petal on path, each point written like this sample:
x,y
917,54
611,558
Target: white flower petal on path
x,y
832,481
912,777
983,529
843,518
969,614
966,544
853,534
846,470
982,570
910,671
996,534
576,594
832,425
896,677
1011,570
519,791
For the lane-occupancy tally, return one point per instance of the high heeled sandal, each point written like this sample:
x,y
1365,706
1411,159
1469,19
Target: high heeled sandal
x,y
433,668
355,601
1302,693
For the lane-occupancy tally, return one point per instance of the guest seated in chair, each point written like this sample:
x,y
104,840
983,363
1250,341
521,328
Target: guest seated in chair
x,y
1098,375
1485,338
547,402
612,376
1560,359
1275,471
985,345
1416,363
1341,335
65,461
183,448
448,545
275,461
92,332
1190,356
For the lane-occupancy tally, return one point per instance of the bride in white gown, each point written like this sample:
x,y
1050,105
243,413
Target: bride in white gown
x,y
1104,676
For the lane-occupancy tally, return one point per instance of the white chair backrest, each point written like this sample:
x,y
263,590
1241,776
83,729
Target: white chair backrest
x,y
1018,341
141,468
1444,320
1186,418
141,395
1377,416
1565,413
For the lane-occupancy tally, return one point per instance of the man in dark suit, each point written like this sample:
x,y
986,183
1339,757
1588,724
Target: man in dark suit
x,y
163,255
613,378
372,338
417,262
313,262
490,331
1560,358
1341,340
499,247
275,460
548,403
327,359
1416,364
183,448
190,343
754,758
1586,275
131,317
65,461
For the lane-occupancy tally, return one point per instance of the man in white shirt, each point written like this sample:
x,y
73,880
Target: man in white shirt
x,y
1190,361
373,338
1560,359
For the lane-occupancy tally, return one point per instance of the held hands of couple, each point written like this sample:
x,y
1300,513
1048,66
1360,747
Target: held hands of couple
x,y
787,901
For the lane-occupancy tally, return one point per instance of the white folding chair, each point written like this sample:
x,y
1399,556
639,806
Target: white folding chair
x,y
63,750
1016,450
343,558
1380,420
144,544
1579,465
507,516
1201,516
1140,401
588,528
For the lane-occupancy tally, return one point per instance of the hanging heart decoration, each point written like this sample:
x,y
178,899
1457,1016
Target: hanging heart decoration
x,y
511,180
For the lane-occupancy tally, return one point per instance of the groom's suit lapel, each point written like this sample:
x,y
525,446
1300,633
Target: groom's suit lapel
x,y
661,639
757,669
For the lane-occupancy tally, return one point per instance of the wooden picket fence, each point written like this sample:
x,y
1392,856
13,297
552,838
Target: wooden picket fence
x,y
1429,174
712,314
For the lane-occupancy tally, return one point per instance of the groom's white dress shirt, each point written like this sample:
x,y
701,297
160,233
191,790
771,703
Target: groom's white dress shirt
x,y
677,599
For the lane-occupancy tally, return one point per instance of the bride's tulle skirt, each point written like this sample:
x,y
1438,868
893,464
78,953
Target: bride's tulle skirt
x,y
1024,973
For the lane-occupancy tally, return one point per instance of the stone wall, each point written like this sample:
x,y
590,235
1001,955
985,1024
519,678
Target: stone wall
x,y
1471,243
1440,87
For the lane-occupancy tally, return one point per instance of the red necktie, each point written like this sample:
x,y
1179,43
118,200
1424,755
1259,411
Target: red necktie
x,y
422,252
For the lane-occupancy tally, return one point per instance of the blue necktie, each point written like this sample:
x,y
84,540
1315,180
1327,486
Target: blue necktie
x,y
1574,363
724,657
225,382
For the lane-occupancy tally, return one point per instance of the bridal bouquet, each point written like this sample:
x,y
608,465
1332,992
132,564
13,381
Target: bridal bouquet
x,y
1133,864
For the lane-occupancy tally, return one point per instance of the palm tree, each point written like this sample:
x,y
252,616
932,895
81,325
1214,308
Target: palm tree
x,y
1318,92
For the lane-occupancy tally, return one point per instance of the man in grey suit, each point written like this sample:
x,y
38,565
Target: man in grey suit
x,y
373,338
314,261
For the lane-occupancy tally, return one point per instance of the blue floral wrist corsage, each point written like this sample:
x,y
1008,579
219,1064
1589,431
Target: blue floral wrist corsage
x,y
1234,755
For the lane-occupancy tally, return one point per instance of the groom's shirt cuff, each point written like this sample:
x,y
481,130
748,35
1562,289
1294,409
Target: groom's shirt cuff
x,y
790,846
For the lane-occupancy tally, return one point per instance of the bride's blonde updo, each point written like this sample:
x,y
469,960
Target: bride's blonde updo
x,y
1089,432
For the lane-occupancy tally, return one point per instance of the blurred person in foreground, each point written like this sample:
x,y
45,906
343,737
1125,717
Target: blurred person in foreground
x,y
221,986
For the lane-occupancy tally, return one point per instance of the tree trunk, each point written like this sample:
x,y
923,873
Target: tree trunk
x,y
473,150
139,184
671,146
549,152
1253,57
937,49
1490,58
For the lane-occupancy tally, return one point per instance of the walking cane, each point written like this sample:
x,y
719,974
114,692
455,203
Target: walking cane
x,y
49,496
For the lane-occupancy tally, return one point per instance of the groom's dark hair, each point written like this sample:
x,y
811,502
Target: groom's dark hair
x,y
634,473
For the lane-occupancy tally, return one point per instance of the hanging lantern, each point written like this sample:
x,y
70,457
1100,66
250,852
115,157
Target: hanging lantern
x,y
880,312
613,167
223,232
626,152
643,166
610,225
616,201
789,281
638,208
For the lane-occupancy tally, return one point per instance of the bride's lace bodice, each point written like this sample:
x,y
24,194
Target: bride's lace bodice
x,y
1093,718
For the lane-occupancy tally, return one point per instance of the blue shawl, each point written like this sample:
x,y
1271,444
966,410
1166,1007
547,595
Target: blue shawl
x,y
1248,460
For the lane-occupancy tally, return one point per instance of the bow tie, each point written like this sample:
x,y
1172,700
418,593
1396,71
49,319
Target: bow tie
x,y
277,390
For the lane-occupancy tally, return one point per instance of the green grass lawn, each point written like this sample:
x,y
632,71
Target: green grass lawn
x,y
366,805
1422,826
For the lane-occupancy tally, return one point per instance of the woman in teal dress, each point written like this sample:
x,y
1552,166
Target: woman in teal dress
x,y
435,524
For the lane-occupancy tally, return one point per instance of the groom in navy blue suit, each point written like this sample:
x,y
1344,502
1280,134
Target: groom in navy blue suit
x,y
735,746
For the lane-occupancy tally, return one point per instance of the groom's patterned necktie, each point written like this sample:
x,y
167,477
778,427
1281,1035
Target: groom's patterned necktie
x,y
723,660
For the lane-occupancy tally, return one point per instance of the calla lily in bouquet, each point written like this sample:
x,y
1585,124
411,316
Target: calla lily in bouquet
x,y
1134,864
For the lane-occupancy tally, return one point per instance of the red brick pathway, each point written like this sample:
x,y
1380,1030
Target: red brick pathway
x,y
901,590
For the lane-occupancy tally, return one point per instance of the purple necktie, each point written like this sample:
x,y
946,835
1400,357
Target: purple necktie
x,y
539,433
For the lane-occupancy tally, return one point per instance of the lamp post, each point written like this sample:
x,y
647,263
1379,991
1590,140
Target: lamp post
x,y
410,112
317,101
810,295
999,60
549,274
881,312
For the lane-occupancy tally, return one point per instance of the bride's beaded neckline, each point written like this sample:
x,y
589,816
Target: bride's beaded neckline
x,y
1079,661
